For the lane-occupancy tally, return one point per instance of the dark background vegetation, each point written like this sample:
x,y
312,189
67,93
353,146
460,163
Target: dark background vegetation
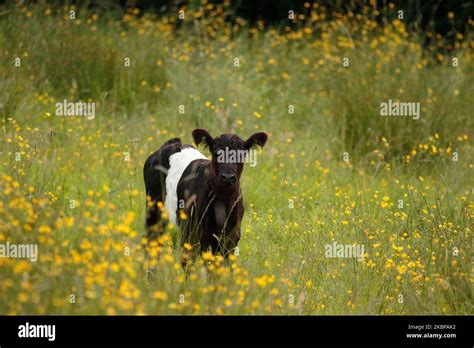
x,y
428,14
431,15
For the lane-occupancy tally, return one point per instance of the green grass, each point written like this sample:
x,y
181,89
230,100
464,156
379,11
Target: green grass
x,y
422,251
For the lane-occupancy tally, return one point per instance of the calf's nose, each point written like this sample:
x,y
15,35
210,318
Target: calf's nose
x,y
228,178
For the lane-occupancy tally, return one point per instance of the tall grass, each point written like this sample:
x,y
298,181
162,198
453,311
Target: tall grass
x,y
300,197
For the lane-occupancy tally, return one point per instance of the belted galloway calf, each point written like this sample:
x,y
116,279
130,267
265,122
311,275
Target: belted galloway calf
x,y
201,196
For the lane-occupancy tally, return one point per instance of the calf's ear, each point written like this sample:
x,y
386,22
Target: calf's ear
x,y
259,139
202,136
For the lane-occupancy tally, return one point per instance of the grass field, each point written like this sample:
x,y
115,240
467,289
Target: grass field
x,y
333,170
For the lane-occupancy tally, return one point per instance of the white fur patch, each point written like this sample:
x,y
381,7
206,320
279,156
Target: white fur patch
x,y
179,161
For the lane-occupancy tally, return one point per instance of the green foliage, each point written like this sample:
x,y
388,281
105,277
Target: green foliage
x,y
299,198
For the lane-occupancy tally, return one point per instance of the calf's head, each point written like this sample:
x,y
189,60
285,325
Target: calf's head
x,y
229,152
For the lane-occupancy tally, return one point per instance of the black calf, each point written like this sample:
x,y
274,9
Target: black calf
x,y
205,199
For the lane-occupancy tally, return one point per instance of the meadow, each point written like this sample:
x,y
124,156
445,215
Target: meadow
x,y
333,170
